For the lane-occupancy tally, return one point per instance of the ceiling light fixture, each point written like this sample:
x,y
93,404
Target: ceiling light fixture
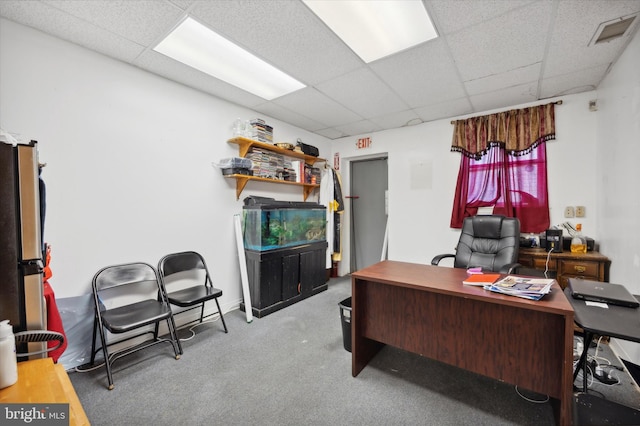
x,y
199,47
375,29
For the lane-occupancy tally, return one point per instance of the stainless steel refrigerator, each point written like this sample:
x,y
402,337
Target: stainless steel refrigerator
x,y
21,262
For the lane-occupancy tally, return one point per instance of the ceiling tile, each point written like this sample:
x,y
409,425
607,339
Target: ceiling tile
x,y
358,128
55,22
422,75
288,116
377,100
502,44
501,98
318,107
526,74
445,109
455,15
398,119
575,82
143,22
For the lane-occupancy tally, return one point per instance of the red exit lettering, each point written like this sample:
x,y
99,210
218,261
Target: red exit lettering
x,y
363,143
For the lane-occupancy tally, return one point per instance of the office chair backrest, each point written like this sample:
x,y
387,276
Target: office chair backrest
x,y
490,242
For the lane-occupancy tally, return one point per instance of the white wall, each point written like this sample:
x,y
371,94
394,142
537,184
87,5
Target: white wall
x,y
420,209
128,153
618,152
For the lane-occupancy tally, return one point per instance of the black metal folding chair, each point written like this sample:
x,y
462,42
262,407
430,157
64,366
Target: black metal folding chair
x,y
130,299
188,271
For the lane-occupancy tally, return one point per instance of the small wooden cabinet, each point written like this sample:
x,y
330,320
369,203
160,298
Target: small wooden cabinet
x,y
590,266
245,144
281,277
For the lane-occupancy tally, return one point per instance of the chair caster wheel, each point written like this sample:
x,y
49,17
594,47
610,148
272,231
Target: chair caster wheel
x,y
177,356
110,387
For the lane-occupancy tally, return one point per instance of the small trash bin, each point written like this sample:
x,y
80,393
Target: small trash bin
x,y
345,317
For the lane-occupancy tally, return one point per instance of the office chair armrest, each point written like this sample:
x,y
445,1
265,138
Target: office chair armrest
x,y
439,257
510,268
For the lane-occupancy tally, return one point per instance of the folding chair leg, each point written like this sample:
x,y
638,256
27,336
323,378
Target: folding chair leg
x,y
107,361
93,341
173,332
221,316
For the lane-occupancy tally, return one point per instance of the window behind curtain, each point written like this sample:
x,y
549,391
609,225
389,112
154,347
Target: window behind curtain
x,y
514,181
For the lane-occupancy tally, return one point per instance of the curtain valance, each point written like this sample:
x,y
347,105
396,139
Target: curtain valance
x,y
518,130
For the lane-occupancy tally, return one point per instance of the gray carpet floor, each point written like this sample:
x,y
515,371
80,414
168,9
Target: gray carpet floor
x,y
290,368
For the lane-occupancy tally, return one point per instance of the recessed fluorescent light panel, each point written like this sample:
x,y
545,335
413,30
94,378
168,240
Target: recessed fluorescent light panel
x,y
375,29
197,46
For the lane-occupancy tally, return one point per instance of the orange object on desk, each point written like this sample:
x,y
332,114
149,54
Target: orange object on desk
x,y
40,381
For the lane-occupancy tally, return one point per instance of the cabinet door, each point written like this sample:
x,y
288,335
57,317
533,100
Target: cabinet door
x,y
270,282
290,276
312,270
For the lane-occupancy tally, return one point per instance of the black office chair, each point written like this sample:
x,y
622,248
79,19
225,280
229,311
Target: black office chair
x,y
490,242
188,271
130,298
23,338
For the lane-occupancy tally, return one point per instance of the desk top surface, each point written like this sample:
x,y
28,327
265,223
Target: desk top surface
x,y
613,321
42,381
446,280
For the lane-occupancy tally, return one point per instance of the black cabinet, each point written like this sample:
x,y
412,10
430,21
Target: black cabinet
x,y
281,277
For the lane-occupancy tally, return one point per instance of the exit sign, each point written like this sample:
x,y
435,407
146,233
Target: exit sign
x,y
363,143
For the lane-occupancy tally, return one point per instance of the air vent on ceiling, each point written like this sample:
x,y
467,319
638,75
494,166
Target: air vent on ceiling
x,y
611,30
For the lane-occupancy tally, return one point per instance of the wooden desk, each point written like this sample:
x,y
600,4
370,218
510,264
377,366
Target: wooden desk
x,y
590,265
427,310
42,381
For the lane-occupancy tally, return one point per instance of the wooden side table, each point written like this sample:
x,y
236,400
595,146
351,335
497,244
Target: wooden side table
x,y
40,381
591,265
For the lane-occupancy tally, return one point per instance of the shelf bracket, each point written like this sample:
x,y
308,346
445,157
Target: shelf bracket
x,y
240,184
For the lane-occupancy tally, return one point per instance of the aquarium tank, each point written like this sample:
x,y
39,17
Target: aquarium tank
x,y
269,224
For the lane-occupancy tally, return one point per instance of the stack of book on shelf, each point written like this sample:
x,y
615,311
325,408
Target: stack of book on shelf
x,y
527,288
266,163
261,131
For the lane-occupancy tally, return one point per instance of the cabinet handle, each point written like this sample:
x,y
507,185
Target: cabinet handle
x,y
580,268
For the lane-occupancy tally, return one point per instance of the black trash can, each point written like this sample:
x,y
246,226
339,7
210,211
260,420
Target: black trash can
x,y
345,316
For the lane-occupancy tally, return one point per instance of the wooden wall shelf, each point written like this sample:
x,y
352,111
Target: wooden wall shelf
x,y
241,182
245,144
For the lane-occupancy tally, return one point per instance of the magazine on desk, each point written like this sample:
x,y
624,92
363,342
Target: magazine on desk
x,y
527,288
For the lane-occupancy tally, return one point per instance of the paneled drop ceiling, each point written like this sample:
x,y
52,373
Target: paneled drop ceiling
x,y
491,54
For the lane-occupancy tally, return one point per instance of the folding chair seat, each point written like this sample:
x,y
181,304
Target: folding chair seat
x,y
131,301
186,278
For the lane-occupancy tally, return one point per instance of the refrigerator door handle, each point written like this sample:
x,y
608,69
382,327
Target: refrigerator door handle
x,y
32,267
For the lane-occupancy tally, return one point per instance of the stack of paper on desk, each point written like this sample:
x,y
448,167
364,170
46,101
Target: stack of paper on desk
x,y
528,288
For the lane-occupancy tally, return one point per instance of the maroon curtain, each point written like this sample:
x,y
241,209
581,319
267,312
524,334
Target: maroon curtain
x,y
515,186
511,176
